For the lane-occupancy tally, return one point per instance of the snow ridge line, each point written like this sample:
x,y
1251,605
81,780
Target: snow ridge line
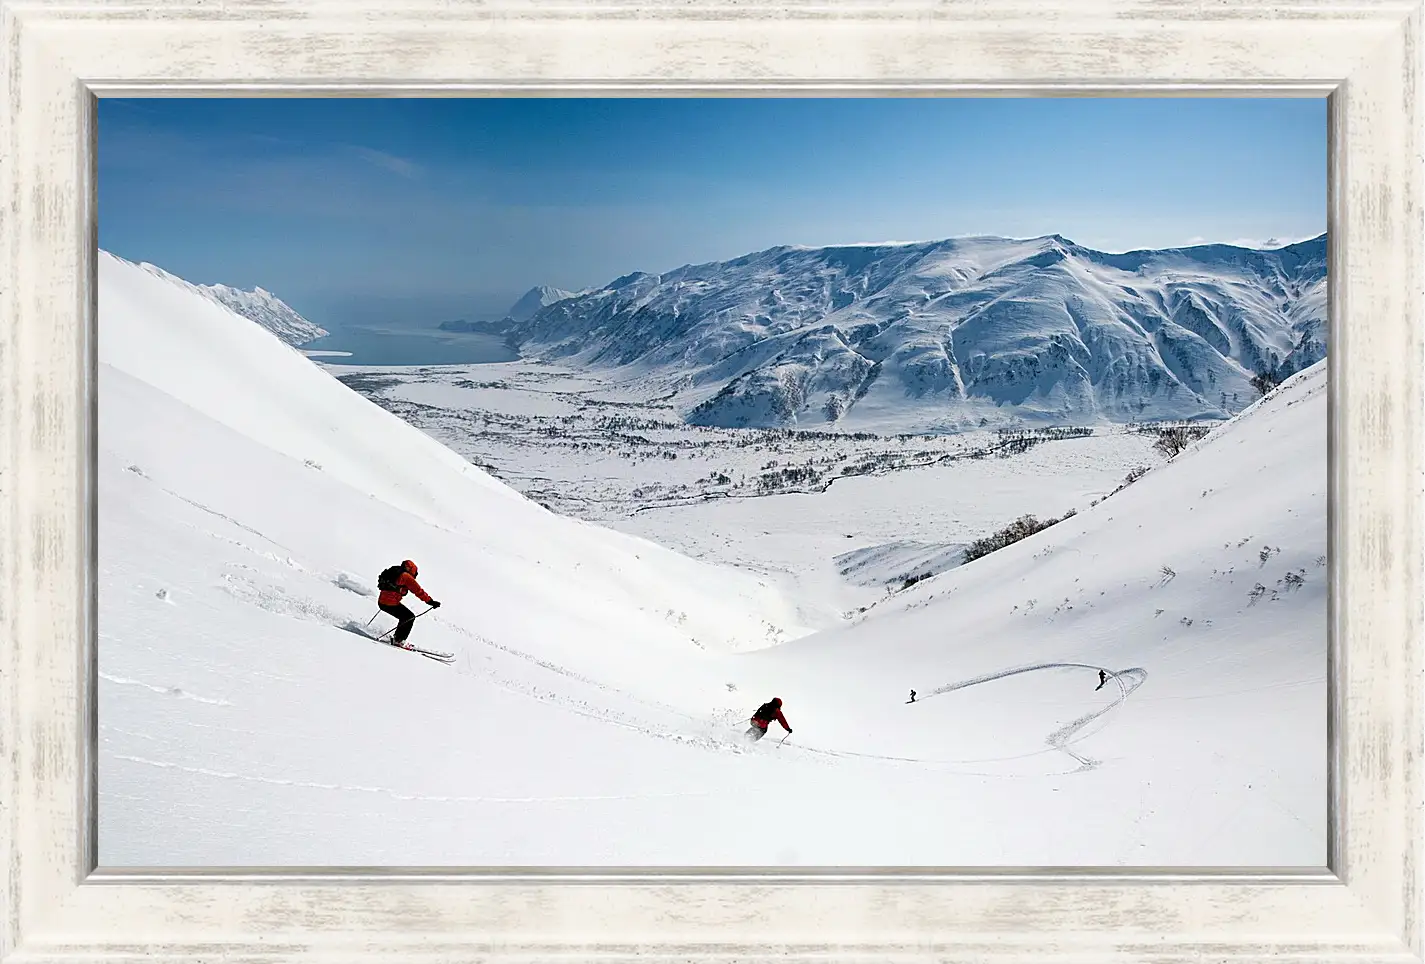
x,y
385,791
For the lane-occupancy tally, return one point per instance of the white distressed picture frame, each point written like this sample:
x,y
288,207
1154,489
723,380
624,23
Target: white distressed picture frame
x,y
58,56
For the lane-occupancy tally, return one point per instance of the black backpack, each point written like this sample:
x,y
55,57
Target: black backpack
x,y
389,580
767,711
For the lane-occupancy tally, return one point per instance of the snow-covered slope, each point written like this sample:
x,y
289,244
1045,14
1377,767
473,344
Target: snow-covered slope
x,y
1201,589
946,334
247,501
259,305
202,407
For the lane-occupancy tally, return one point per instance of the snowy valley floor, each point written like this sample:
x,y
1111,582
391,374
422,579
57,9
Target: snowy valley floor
x,y
838,519
601,680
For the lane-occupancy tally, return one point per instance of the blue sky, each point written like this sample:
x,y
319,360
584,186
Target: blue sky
x,y
414,211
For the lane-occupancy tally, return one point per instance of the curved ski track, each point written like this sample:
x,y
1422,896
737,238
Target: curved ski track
x,y
1060,738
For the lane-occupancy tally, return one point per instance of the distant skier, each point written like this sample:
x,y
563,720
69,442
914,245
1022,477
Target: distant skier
x,y
1102,678
763,718
394,583
912,697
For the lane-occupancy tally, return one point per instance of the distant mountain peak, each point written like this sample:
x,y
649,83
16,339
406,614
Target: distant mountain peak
x,y
540,296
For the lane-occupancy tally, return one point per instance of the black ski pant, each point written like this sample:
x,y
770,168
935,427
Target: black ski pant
x,y
407,618
755,732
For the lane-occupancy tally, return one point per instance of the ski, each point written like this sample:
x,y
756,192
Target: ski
x,y
446,658
428,653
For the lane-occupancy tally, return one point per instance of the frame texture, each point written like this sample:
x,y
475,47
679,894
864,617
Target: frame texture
x,y
58,56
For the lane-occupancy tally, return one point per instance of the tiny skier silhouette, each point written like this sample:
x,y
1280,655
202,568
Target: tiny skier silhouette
x,y
763,718
1102,678
912,697
394,583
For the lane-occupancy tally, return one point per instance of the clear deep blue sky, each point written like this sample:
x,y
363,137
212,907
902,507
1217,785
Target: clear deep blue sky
x,y
416,211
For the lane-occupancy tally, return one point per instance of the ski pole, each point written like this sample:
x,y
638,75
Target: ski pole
x,y
398,624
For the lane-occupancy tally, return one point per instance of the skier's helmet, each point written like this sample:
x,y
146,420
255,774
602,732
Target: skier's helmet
x,y
409,566
776,701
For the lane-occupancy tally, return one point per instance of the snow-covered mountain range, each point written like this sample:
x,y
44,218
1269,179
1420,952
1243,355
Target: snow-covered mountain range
x,y
951,334
259,305
268,310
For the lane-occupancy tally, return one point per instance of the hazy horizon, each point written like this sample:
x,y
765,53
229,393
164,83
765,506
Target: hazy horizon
x,y
409,212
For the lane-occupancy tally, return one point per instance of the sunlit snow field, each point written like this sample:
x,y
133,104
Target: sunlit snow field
x,y
608,653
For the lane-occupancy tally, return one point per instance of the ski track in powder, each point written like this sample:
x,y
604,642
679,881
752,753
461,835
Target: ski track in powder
x,y
165,690
1061,738
654,728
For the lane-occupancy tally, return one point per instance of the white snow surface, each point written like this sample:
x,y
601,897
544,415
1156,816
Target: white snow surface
x,y
601,682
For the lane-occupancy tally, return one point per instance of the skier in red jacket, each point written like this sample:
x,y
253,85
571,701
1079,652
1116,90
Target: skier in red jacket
x,y
394,583
763,718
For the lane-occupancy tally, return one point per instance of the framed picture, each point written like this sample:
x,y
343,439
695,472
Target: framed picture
x,y
1021,401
